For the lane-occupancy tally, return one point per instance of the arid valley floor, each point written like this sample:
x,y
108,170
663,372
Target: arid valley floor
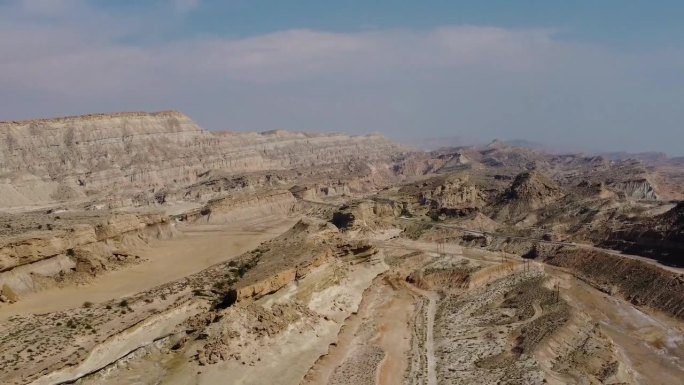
x,y
138,248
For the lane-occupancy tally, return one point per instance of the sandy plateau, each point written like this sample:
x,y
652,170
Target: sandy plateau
x,y
140,249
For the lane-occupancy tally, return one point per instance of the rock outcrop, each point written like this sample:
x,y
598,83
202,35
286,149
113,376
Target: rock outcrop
x,y
365,214
453,195
321,191
533,189
528,192
245,206
636,189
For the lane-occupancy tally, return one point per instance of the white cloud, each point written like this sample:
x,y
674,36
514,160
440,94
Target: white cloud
x,y
52,57
476,82
184,6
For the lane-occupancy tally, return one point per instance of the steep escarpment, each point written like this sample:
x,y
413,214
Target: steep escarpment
x,y
76,158
284,149
66,158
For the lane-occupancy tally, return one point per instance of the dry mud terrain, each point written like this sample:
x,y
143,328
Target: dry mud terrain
x,y
138,248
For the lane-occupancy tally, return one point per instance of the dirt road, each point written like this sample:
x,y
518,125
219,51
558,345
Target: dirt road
x,y
673,269
429,333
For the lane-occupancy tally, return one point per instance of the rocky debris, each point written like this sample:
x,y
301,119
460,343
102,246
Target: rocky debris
x,y
473,345
249,325
321,191
531,327
366,214
360,368
8,295
590,355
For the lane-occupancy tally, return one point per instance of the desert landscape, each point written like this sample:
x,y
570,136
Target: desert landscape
x,y
139,248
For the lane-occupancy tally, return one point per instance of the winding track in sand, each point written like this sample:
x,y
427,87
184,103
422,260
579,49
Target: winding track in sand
x,y
430,333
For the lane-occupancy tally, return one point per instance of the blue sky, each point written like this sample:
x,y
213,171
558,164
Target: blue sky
x,y
624,23
595,75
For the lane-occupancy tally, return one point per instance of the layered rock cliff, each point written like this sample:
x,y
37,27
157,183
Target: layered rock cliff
x,y
244,206
108,155
32,261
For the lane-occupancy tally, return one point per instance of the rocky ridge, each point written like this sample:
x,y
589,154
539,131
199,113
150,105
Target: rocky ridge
x,y
74,158
468,264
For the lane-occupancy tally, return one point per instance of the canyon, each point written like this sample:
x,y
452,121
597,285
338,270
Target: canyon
x,y
139,248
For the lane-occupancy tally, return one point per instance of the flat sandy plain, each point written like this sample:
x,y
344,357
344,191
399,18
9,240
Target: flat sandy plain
x,y
197,247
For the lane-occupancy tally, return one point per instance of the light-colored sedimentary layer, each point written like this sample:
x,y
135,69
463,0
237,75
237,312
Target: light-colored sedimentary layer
x,y
288,355
279,336
66,159
637,189
121,344
256,290
86,248
236,208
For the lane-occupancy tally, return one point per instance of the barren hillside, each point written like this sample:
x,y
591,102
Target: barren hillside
x,y
140,248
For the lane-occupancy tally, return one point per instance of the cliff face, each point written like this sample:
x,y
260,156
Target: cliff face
x,y
69,158
66,159
637,189
28,262
366,213
454,195
235,208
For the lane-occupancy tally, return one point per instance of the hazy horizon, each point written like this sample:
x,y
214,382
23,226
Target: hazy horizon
x,y
594,77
